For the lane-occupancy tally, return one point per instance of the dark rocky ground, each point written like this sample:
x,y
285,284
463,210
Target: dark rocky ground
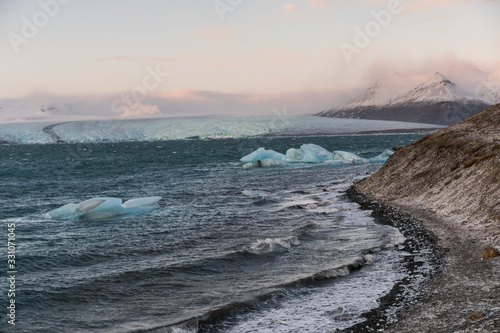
x,y
458,292
423,260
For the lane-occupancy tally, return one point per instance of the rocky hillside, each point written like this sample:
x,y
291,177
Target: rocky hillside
x,y
454,173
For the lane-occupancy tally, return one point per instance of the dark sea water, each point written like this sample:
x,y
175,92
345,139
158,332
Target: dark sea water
x,y
269,248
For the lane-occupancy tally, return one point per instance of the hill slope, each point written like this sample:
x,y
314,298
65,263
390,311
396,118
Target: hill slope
x,y
451,180
454,172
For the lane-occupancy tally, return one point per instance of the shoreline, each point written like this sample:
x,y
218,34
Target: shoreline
x,y
424,260
387,131
463,295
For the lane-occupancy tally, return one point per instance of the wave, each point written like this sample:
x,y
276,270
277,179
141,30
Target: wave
x,y
271,245
259,301
247,261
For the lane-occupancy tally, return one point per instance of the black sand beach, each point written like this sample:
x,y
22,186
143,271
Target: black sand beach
x,y
423,261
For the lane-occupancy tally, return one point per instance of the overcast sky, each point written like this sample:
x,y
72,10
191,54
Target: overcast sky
x,y
289,52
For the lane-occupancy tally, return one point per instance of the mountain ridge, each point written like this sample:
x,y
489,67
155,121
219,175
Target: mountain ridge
x,y
437,100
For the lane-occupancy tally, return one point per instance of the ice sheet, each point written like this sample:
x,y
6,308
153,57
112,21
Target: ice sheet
x,y
178,129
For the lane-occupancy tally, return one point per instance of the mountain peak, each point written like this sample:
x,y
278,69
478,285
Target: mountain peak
x,y
438,78
436,100
436,89
382,91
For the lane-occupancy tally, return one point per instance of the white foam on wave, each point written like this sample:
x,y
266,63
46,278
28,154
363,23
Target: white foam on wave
x,y
255,193
337,305
272,244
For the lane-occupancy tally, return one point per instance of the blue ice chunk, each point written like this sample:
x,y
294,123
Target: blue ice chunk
x,y
65,212
310,153
346,156
100,208
297,154
141,205
261,154
317,149
142,202
307,153
382,157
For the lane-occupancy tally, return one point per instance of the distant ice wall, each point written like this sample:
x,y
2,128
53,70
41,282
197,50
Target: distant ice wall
x,y
189,128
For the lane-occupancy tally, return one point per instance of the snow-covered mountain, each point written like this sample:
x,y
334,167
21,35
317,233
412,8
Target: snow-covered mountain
x,y
475,81
382,91
436,100
436,89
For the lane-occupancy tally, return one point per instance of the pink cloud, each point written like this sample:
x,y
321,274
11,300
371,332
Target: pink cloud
x,y
289,9
199,102
181,94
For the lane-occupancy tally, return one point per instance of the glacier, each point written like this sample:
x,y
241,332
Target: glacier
x,y
307,154
105,207
162,129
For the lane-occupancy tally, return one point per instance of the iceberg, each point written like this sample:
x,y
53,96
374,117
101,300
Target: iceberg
x,y
382,157
261,154
297,154
141,205
101,208
266,163
308,153
346,156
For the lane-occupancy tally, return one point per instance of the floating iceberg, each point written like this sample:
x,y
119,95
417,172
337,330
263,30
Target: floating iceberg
x,y
346,156
266,163
307,153
382,157
310,153
261,154
100,208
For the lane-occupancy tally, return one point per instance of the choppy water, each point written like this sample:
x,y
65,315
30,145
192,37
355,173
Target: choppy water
x,y
261,245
